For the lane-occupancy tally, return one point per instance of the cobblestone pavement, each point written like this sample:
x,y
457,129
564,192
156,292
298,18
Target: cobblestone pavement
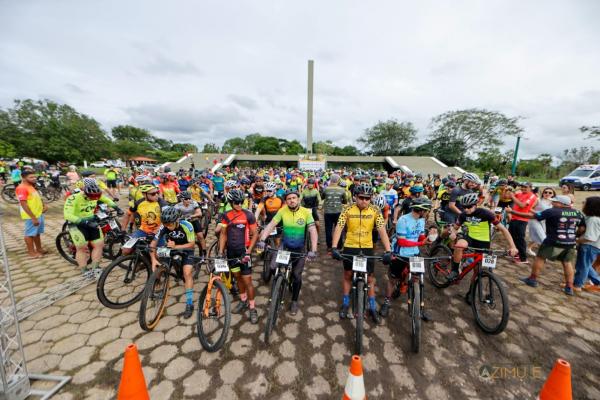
x,y
310,353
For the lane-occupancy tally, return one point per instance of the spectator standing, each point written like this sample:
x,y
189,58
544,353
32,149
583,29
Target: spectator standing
x,y
32,212
537,229
568,190
15,175
523,202
562,224
72,175
589,248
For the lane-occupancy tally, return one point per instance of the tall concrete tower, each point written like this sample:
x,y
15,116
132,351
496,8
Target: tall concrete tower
x,y
309,110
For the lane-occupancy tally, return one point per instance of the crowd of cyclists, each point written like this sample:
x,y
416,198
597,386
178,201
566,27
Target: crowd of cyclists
x,y
398,211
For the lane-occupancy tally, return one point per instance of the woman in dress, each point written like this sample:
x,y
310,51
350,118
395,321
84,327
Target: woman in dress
x,y
537,229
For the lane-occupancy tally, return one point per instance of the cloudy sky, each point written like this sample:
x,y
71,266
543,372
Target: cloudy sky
x,y
204,71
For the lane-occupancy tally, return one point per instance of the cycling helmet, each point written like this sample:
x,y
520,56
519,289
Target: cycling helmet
x,y
397,186
502,182
406,182
146,188
185,195
91,189
170,214
343,183
379,201
310,181
469,199
230,184
364,189
289,192
389,181
87,173
416,189
142,178
258,188
245,181
235,196
470,176
422,203
450,183
270,186
167,169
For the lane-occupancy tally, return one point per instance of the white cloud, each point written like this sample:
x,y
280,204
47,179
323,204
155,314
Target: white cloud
x,y
208,71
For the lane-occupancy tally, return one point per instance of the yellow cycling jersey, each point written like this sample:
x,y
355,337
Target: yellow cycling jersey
x,y
360,225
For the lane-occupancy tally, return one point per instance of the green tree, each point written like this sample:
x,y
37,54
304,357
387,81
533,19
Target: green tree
x,y
292,147
468,132
326,147
236,145
53,132
265,145
389,138
346,151
185,148
210,148
132,134
593,132
7,149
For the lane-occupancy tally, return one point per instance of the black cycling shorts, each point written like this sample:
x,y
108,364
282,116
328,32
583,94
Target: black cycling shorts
x,y
356,251
397,268
244,268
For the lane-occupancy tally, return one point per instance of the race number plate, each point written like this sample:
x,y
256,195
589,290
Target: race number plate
x,y
417,265
283,257
163,252
489,261
273,233
221,265
216,193
113,224
204,207
101,215
130,243
498,210
359,264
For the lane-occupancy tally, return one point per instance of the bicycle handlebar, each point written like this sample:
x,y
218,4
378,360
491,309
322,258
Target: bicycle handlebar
x,y
291,252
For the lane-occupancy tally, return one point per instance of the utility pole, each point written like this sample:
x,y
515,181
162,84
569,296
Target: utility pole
x,y
309,110
514,163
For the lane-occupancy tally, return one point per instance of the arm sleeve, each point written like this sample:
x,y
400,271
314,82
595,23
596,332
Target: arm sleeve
x,y
379,221
277,217
69,210
309,218
106,200
540,216
342,218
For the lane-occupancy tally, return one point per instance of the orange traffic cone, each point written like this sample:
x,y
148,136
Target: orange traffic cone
x,y
558,384
355,385
133,384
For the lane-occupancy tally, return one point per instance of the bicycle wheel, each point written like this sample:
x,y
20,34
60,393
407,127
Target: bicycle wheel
x,y
489,302
276,301
112,245
214,316
154,298
212,250
122,283
439,270
266,271
359,311
66,247
205,223
415,314
8,194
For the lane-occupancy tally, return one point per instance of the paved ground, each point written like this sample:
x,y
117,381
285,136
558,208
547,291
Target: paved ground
x,y
310,354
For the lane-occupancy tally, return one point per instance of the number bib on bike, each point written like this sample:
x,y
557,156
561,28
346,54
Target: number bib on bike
x,y
130,243
283,257
489,261
113,224
359,264
417,265
221,266
163,252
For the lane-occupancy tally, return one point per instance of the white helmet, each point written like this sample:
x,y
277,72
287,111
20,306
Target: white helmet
x,y
470,176
230,184
270,186
379,201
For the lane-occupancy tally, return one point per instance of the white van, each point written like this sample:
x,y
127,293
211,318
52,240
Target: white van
x,y
585,177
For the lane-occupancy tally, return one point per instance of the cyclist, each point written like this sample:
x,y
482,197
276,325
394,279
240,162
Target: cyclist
x,y
416,192
79,212
147,211
360,219
92,175
269,206
218,183
191,212
111,180
469,183
236,240
296,221
390,194
478,222
410,235
178,235
168,189
311,199
334,198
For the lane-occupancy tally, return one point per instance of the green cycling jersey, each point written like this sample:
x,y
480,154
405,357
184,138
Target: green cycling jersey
x,y
78,207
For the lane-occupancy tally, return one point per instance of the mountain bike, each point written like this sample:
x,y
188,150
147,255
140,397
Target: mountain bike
x,y
214,306
486,296
157,289
267,256
227,278
282,281
122,283
359,294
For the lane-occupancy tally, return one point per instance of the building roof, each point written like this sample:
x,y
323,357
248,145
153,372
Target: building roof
x,y
141,158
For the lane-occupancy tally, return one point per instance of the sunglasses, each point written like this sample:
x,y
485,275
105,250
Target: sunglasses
x,y
152,194
364,198
548,193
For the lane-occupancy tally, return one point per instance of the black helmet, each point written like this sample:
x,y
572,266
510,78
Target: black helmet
x,y
450,183
422,203
167,169
87,173
185,195
502,182
289,192
245,181
469,199
364,189
235,196
91,189
170,214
